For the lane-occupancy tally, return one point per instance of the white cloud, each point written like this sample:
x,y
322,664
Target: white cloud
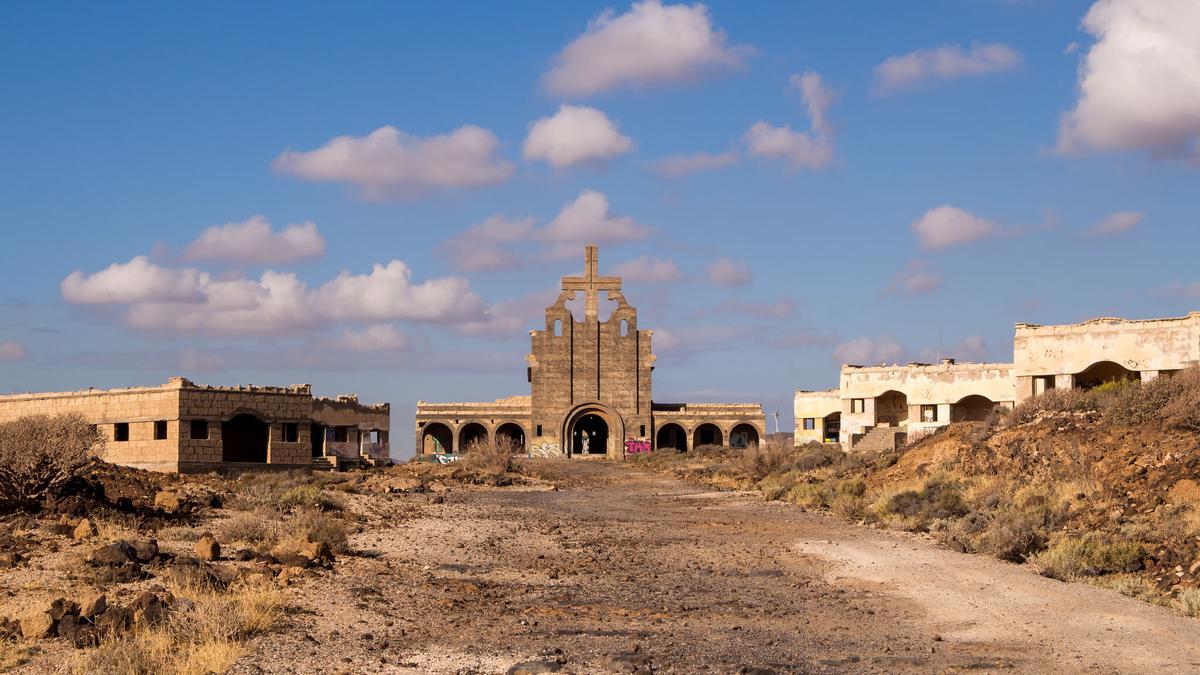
x,y
512,318
648,270
138,280
780,309
1139,84
665,340
1115,223
948,225
650,44
389,164
575,135
682,165
195,361
808,150
13,351
946,62
915,279
273,304
484,246
377,338
971,349
587,220
253,242
729,272
868,351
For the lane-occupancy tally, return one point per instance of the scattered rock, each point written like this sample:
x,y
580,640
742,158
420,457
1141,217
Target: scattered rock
x,y
145,551
638,664
147,608
9,559
244,555
169,501
437,499
534,668
80,633
36,624
93,606
318,551
207,548
85,529
113,555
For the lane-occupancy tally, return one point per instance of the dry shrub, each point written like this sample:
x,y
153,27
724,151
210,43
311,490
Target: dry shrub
x,y
1009,526
40,454
204,638
1134,586
1090,555
759,460
1055,402
285,492
939,498
321,527
259,528
493,458
1188,602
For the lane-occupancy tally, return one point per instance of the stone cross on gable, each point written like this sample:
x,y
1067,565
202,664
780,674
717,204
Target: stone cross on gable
x,y
591,282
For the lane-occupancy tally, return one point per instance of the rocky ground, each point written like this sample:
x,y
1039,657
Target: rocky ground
x,y
591,567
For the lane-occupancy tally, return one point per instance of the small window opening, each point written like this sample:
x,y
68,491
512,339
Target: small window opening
x,y
624,327
858,405
643,430
810,423
199,430
558,328
121,432
291,432
340,434
539,430
160,430
929,413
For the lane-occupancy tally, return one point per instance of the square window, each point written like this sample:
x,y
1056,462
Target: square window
x,y
291,432
160,430
929,413
340,434
121,432
199,430
810,423
858,405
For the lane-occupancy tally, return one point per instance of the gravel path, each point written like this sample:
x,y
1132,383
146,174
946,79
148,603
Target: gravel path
x,y
618,568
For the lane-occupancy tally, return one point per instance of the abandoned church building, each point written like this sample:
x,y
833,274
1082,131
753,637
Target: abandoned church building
x,y
590,391
879,407
183,426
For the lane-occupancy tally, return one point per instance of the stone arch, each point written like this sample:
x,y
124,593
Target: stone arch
x,y
972,408
244,438
436,439
832,427
1104,371
614,432
514,434
707,434
743,436
891,408
471,432
671,435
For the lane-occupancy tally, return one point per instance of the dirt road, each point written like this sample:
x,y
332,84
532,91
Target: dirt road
x,y
617,561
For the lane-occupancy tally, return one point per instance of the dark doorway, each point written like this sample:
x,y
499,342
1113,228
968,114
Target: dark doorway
x,y
973,408
473,434
317,436
671,436
590,436
743,436
1103,373
833,427
437,439
707,434
244,439
511,436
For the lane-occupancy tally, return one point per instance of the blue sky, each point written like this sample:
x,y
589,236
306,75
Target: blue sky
x,y
918,197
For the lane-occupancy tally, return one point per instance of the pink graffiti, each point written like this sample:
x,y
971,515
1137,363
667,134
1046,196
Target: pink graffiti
x,y
636,445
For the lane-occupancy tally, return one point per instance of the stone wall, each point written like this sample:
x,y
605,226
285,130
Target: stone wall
x,y
447,421
694,419
274,405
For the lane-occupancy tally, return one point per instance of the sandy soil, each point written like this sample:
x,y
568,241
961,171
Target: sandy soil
x,y
607,560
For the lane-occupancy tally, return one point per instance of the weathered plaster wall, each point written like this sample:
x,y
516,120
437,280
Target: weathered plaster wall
x,y
454,416
726,417
815,406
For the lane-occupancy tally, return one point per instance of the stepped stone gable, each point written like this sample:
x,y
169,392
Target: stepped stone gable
x,y
590,390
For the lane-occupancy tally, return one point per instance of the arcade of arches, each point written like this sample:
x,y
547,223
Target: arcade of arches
x,y
589,370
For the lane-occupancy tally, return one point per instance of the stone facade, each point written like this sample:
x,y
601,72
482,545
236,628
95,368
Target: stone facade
x,y
590,390
183,426
881,405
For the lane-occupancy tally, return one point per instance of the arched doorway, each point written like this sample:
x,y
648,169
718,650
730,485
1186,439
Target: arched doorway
x,y
436,439
973,408
512,436
833,428
244,438
707,434
1104,371
891,409
589,435
671,436
472,433
743,436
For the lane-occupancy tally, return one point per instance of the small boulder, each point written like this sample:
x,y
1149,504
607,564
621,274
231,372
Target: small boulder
x,y
147,608
80,633
113,555
115,619
244,555
10,559
36,624
145,551
207,548
93,606
169,501
85,529
317,551
534,668
295,560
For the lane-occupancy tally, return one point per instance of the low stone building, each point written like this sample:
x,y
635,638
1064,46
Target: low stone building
x,y
590,391
183,426
1096,351
881,406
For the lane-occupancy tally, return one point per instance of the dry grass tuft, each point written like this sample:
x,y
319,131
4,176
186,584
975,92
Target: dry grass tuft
x,y
1188,602
203,638
492,458
1093,554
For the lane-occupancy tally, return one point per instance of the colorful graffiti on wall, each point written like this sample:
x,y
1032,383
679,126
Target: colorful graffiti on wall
x,y
635,446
